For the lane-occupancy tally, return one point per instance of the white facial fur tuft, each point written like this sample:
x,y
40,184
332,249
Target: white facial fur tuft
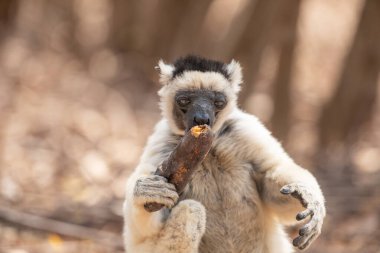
x,y
166,72
234,70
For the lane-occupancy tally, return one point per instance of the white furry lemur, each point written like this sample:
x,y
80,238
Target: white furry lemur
x,y
240,196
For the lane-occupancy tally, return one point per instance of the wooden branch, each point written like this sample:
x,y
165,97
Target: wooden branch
x,y
60,227
181,163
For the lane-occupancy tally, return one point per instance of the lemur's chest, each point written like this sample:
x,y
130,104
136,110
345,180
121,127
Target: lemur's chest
x,y
225,186
220,183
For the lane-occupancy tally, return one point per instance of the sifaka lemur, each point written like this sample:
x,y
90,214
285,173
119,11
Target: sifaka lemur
x,y
240,196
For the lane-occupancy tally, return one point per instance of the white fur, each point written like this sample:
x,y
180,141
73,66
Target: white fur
x,y
234,70
234,203
166,71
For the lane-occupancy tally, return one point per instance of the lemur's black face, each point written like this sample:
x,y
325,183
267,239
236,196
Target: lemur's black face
x,y
197,107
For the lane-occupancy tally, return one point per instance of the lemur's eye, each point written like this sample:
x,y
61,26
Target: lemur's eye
x,y
220,100
219,104
183,101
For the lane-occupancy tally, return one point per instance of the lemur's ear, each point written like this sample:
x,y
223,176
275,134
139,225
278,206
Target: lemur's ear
x,y
166,72
234,71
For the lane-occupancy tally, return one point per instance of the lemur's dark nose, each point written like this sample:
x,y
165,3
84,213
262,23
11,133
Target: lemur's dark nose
x,y
201,119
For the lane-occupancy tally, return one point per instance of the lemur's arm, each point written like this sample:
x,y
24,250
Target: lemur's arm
x,y
289,191
142,187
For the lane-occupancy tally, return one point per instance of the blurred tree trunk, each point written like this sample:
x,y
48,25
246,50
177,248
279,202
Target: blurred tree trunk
x,y
166,26
6,7
148,27
188,30
230,18
122,24
271,23
285,38
145,31
353,102
7,13
253,42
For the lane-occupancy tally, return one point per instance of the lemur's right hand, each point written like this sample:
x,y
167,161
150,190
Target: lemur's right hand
x,y
153,188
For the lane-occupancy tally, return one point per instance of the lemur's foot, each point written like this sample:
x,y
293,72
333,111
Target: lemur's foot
x,y
185,226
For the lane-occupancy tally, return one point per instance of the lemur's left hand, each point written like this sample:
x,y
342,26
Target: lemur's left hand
x,y
315,208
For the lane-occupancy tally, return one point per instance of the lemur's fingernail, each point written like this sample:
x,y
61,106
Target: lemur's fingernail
x,y
285,190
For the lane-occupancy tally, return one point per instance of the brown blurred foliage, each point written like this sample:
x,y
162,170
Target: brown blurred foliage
x,y
78,100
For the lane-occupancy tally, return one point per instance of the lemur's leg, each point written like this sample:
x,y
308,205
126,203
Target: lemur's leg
x,y
141,228
183,229
178,229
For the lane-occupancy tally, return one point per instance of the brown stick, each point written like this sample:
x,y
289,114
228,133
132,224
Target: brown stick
x,y
188,154
59,227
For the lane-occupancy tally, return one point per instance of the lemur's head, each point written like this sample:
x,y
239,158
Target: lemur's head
x,y
198,91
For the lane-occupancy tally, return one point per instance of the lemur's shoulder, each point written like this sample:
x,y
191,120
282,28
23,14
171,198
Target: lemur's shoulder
x,y
245,123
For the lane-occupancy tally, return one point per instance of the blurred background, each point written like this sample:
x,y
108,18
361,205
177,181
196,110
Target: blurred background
x,y
78,101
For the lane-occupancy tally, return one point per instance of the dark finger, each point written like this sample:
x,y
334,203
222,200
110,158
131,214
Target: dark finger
x,y
156,184
307,242
301,240
168,202
158,178
302,215
298,240
308,227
